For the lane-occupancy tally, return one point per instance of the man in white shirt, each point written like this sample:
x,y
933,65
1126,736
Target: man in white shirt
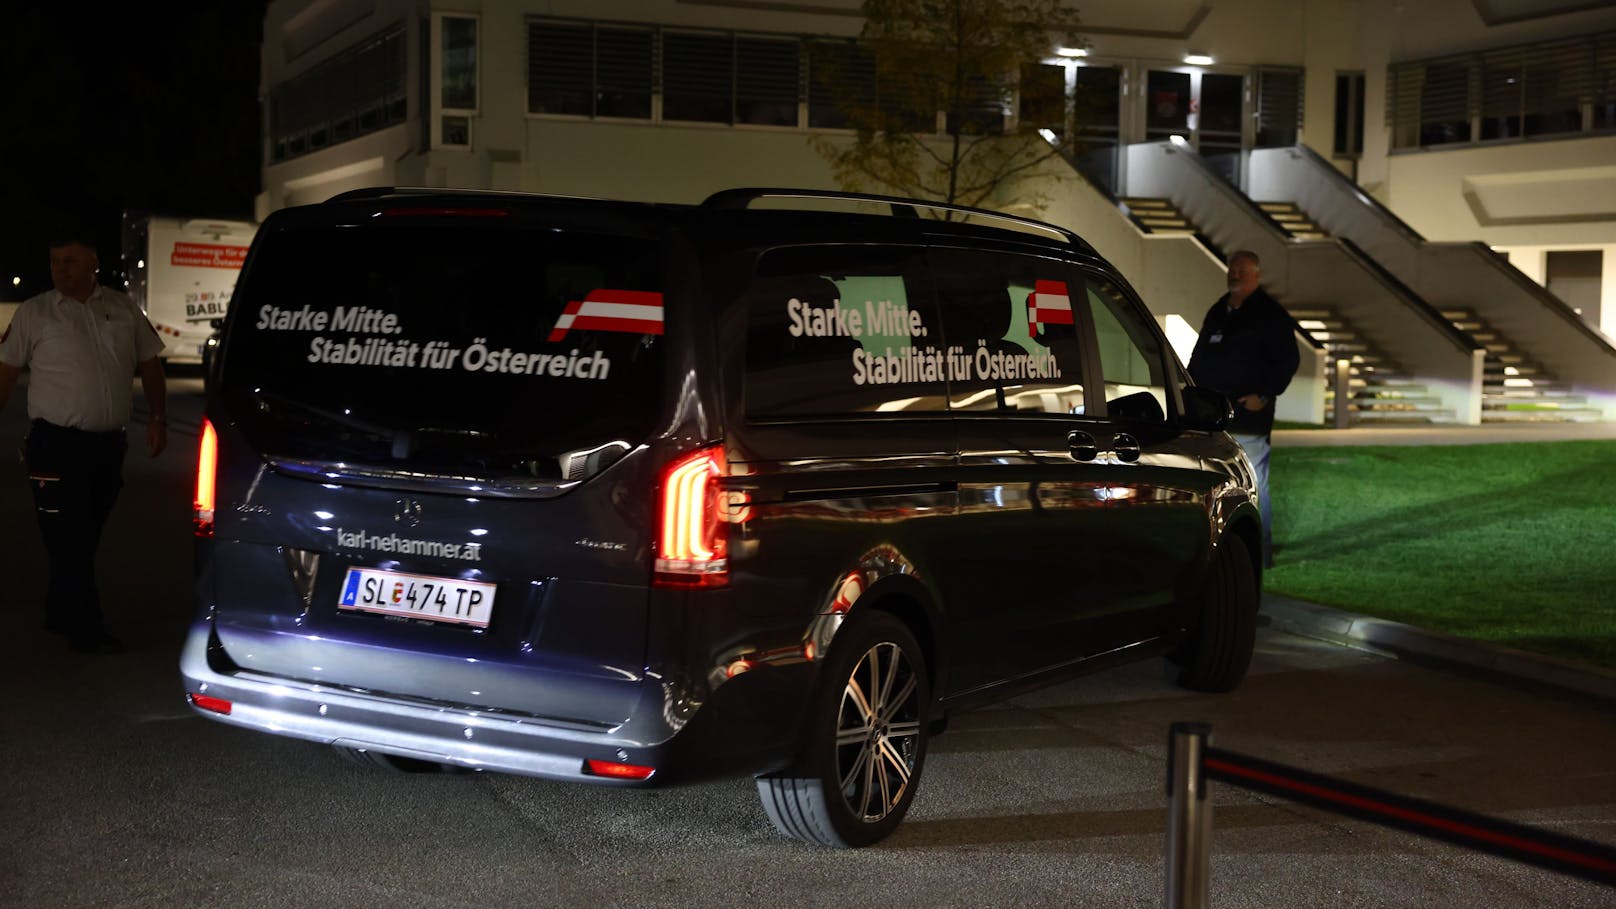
x,y
81,344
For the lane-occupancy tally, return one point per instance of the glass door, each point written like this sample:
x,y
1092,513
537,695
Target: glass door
x,y
1097,123
1168,102
1218,134
1207,110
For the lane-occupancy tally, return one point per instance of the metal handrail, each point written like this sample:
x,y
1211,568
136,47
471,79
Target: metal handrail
x,y
1233,193
1431,314
1357,192
1542,294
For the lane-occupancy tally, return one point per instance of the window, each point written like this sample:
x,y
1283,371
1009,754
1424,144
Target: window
x,y
768,73
835,331
560,69
1445,104
981,111
1131,359
1279,107
1349,115
1535,90
1604,81
538,394
355,92
1564,87
1011,331
1043,98
623,72
1167,98
838,69
696,76
586,70
1097,118
454,93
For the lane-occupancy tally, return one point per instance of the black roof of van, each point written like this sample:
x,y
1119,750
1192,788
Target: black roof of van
x,y
867,211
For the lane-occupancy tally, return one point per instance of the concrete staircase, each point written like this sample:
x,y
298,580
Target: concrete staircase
x,y
1156,216
1514,388
1292,220
1381,393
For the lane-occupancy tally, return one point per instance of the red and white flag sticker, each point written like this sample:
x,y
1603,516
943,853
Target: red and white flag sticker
x,y
633,311
1048,304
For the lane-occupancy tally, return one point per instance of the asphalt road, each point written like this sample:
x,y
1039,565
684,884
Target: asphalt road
x,y
115,795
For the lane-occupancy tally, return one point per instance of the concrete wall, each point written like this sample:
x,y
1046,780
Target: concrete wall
x,y
1533,261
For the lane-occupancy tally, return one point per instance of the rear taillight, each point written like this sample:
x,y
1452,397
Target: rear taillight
x,y
618,771
210,703
207,467
693,542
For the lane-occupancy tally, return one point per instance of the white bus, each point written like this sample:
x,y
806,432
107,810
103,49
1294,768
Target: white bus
x,y
181,271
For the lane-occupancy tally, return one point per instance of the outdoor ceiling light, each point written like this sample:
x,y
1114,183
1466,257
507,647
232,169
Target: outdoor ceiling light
x,y
1071,52
1198,59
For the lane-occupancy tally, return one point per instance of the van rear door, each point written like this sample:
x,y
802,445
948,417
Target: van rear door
x,y
431,427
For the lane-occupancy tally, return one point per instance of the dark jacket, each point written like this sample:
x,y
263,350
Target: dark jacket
x,y
1249,350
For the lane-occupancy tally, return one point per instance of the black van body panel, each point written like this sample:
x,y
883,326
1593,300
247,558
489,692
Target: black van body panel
x,y
1020,546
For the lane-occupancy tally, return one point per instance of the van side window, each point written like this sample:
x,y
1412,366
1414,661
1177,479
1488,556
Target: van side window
x,y
1130,355
839,330
1011,331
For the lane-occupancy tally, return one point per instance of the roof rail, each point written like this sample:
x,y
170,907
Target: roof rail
x,y
737,199
381,192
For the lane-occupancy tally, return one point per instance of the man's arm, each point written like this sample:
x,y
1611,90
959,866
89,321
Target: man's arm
x,y
155,386
1280,355
8,381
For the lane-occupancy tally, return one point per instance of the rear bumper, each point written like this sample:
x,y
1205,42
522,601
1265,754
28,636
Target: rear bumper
x,y
749,725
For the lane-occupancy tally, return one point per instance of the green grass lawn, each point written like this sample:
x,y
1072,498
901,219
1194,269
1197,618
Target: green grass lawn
x,y
1514,544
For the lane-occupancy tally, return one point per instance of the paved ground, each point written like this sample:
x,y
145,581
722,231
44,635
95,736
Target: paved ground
x,y
116,795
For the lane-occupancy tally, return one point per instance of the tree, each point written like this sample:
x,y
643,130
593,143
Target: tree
x,y
961,59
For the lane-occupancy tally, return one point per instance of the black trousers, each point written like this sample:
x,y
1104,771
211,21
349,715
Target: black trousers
x,y
75,477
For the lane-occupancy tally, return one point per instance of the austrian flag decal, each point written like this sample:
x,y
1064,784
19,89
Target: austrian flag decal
x,y
637,312
1048,304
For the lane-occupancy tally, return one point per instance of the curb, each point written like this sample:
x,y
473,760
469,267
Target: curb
x,y
1440,650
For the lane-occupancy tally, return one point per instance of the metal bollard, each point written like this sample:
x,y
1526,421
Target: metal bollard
x,y
1189,817
1343,393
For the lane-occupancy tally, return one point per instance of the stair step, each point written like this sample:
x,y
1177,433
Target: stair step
x,y
1433,417
1589,415
1559,395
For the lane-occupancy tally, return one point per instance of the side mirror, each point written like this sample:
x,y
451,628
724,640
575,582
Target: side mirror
x,y
1141,406
1206,409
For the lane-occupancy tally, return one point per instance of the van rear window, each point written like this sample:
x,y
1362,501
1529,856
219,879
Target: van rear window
x,y
476,351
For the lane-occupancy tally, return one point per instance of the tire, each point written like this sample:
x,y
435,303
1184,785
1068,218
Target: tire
x,y
867,746
375,760
1218,654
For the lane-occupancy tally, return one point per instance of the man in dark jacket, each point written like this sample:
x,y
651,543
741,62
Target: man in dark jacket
x,y
1247,350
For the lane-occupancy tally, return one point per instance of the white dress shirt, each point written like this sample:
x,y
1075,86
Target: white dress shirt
x,y
81,357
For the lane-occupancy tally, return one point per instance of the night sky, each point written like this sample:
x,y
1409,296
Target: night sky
x,y
130,106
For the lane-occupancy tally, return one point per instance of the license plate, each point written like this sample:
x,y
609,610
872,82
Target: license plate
x,y
418,596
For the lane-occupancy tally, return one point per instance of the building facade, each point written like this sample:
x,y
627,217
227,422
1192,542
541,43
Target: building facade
x,y
1490,121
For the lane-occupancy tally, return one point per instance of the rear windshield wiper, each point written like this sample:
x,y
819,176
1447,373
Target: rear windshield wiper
x,y
402,440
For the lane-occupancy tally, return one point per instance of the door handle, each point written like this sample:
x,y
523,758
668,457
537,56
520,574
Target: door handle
x,y
1081,445
1125,446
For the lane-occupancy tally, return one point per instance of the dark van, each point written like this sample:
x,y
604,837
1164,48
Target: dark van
x,y
629,494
